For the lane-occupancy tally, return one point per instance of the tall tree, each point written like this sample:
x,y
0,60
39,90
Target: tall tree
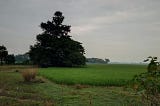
x,y
54,47
3,54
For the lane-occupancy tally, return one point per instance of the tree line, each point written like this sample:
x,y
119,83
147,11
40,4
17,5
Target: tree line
x,y
97,60
6,58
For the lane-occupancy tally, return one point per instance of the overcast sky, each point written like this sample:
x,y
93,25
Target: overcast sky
x,y
121,30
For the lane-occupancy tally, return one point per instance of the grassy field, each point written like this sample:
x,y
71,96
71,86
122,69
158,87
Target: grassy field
x,y
96,74
15,92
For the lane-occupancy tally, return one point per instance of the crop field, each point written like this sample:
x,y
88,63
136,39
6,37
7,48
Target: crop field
x,y
94,74
14,91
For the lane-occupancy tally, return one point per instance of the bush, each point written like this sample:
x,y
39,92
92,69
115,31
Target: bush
x,y
29,74
148,84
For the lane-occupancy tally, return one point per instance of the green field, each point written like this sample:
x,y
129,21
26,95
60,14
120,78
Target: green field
x,y
15,92
96,74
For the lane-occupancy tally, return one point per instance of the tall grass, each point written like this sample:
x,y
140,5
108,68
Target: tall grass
x,y
97,74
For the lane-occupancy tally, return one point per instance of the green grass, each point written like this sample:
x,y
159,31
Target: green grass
x,y
96,74
15,92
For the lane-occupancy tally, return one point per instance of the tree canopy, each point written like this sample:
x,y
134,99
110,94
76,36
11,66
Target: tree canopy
x,y
54,46
3,54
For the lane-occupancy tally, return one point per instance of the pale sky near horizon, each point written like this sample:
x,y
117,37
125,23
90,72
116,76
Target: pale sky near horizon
x,y
121,30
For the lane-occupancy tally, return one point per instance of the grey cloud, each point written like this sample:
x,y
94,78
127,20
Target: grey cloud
x,y
122,30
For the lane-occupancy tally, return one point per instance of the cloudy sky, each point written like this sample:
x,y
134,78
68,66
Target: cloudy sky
x,y
121,30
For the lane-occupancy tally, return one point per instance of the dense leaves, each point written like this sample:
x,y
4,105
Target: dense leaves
x,y
55,47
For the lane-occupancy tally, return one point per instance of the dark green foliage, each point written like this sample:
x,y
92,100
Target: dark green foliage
x,y
54,46
10,59
148,83
3,54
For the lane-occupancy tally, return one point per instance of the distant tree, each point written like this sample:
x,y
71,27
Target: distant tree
x,y
107,60
10,59
22,58
3,54
97,60
55,47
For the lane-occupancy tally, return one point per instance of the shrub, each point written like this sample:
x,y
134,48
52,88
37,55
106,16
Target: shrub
x,y
148,84
29,74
